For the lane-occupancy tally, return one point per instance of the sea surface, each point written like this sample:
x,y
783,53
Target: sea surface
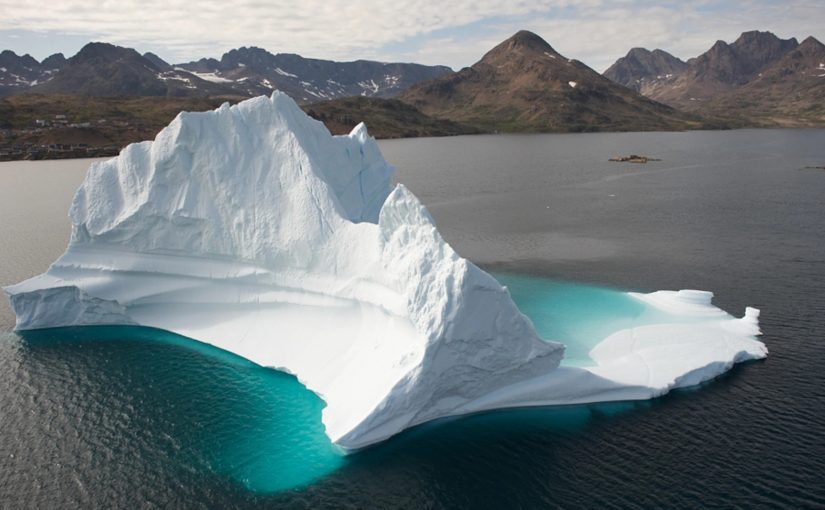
x,y
125,417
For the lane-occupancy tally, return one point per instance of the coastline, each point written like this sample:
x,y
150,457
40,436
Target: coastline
x,y
37,127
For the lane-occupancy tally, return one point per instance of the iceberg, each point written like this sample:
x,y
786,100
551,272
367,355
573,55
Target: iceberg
x,y
252,229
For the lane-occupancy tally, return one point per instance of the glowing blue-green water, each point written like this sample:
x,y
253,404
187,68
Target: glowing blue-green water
x,y
145,419
216,412
200,406
579,316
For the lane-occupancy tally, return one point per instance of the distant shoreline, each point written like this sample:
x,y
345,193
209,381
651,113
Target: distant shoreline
x,y
44,127
105,153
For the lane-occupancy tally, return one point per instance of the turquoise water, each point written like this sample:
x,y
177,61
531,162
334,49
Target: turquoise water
x,y
579,316
210,409
136,422
262,428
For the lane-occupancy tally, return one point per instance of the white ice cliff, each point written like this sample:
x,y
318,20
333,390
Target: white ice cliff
x,y
251,228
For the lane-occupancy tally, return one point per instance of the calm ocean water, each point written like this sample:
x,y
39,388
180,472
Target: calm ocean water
x,y
131,417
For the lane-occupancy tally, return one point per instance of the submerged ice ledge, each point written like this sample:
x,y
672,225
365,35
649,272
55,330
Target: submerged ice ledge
x,y
251,228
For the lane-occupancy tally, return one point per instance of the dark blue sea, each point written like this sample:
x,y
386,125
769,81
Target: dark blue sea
x,y
125,417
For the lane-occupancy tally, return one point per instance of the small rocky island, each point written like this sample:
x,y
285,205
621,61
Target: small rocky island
x,y
633,158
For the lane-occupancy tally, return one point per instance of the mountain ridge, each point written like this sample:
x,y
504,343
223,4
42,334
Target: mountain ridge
x,y
308,79
730,81
103,69
523,84
520,85
21,72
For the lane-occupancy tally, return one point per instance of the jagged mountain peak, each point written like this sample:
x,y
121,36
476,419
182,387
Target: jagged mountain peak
x,y
811,43
55,61
757,37
760,48
95,48
757,75
20,72
726,65
641,68
719,47
157,61
25,59
247,56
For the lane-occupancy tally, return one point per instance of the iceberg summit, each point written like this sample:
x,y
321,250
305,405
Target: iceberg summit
x,y
252,229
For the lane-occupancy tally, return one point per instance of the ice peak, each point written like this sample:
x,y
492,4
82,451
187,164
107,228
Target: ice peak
x,y
253,229
201,185
359,132
403,208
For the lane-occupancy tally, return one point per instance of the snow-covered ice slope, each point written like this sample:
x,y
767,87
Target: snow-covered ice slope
x,y
251,228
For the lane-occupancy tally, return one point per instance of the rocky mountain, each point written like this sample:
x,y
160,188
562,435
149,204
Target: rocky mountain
x,y
759,79
642,69
159,62
791,92
523,84
804,64
722,68
19,73
254,71
101,69
53,63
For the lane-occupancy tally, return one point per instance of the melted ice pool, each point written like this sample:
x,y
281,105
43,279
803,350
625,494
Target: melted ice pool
x,y
580,316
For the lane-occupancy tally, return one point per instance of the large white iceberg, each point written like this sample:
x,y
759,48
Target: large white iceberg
x,y
251,228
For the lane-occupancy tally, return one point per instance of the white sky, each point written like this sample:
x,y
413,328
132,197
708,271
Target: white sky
x,y
451,32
